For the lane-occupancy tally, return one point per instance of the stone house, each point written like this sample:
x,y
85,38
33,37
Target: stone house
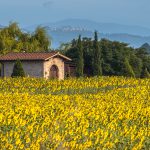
x,y
38,64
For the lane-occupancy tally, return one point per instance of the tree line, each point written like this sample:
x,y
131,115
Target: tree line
x,y
95,57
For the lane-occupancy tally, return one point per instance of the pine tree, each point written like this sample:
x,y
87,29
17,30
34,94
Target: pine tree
x,y
145,73
80,61
97,62
128,71
18,69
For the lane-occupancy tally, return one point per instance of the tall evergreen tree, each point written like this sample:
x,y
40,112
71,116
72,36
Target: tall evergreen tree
x,y
107,56
18,69
80,61
97,62
87,53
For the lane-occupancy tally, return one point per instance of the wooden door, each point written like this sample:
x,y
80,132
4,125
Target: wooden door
x,y
54,72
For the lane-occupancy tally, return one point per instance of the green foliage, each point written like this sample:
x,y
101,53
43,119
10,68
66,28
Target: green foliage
x,y
136,64
72,51
128,71
146,46
111,57
144,56
13,39
42,37
80,61
145,73
97,62
87,55
63,48
107,57
18,69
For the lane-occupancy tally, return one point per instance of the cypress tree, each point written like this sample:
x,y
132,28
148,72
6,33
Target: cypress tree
x,y
80,61
145,73
18,69
97,62
128,71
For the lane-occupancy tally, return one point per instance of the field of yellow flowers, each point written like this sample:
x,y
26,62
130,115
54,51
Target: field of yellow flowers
x,y
101,113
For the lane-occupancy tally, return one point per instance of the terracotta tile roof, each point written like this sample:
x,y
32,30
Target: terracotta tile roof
x,y
30,56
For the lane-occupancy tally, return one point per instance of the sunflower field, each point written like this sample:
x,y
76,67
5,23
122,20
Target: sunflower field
x,y
99,113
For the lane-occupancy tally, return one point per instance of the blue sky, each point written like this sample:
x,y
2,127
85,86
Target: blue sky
x,y
29,12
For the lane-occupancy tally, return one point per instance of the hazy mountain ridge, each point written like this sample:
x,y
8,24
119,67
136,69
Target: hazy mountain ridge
x,y
65,30
101,27
62,36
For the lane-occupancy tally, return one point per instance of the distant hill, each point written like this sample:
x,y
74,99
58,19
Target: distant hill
x,y
62,36
132,40
65,30
146,46
101,27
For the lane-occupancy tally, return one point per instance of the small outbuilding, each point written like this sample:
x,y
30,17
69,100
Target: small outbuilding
x,y
38,64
